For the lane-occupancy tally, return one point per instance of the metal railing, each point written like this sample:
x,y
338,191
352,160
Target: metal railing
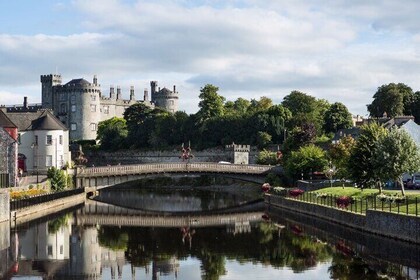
x,y
4,180
42,198
400,205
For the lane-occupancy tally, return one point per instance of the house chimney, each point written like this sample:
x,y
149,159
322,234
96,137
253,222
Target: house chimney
x,y
174,89
146,95
119,96
25,102
131,92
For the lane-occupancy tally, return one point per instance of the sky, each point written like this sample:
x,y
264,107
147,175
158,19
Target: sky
x,y
341,51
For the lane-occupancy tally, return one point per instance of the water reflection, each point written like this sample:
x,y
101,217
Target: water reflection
x,y
87,244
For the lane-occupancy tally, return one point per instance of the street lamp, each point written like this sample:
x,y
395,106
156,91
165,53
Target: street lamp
x,y
34,146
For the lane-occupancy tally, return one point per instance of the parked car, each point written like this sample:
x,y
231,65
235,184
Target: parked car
x,y
414,182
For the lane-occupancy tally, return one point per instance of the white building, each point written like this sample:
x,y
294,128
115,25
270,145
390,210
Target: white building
x,y
43,141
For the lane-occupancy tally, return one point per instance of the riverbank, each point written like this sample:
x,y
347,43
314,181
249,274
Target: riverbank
x,y
388,224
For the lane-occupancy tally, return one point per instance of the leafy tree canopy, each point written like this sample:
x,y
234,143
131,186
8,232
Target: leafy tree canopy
x,y
337,117
306,160
211,103
112,133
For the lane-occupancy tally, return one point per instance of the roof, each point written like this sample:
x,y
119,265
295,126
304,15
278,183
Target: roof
x,y
165,91
413,130
40,120
5,121
353,132
78,82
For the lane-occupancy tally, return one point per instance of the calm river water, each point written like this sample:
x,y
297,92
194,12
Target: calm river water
x,y
195,233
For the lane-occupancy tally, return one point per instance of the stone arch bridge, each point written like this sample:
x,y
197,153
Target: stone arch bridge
x,y
105,176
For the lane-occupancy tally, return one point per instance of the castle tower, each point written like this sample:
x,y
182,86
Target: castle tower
x,y
119,95
95,80
146,95
48,82
111,92
239,153
164,98
132,93
153,87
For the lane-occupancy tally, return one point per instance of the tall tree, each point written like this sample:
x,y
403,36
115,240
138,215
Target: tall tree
x,y
340,155
112,133
394,99
337,117
395,154
306,160
211,104
361,166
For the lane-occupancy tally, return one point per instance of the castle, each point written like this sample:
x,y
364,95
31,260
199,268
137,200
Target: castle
x,y
80,105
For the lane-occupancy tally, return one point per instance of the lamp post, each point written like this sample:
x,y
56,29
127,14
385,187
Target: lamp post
x,y
34,146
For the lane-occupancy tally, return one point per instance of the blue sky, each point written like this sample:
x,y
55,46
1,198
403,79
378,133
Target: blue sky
x,y
340,51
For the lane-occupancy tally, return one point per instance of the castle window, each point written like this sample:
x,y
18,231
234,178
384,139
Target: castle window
x,y
49,139
93,108
73,99
73,126
93,97
36,140
93,126
62,97
171,102
106,109
73,108
60,139
63,108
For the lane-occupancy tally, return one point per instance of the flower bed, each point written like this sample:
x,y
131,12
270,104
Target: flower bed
x,y
26,194
296,192
343,201
265,187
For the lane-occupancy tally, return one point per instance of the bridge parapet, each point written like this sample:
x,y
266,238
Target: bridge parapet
x,y
171,168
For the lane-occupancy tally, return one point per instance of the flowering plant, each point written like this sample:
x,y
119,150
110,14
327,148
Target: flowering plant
x,y
321,195
278,189
265,187
296,192
343,201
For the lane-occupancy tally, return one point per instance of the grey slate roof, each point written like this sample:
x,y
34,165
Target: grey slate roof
x,y
78,82
5,121
40,120
414,130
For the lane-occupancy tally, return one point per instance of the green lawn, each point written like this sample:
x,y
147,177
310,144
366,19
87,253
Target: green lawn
x,y
365,199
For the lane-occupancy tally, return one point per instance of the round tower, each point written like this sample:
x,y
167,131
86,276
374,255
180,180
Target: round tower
x,y
165,98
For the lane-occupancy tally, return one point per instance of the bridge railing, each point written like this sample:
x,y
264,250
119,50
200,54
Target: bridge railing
x,y
171,167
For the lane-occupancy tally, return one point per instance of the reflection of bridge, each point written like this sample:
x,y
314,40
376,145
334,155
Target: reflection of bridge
x,y
111,175
98,213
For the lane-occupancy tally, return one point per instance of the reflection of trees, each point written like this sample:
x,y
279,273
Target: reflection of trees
x,y
56,224
112,238
212,265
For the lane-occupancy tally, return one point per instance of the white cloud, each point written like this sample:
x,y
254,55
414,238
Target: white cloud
x,y
341,51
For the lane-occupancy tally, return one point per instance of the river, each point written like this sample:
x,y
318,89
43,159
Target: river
x,y
195,233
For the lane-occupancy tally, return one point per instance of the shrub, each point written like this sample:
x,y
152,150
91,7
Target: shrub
x,y
296,192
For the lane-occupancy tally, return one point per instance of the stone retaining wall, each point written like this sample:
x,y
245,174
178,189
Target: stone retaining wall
x,y
33,212
4,205
387,224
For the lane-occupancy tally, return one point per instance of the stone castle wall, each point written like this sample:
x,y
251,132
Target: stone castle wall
x,y
4,206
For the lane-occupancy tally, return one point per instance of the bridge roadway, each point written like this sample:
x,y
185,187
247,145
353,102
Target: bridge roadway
x,y
99,213
104,176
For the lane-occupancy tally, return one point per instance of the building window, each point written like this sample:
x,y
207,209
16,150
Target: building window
x,y
73,99
61,160
73,126
73,108
49,139
19,139
48,161
36,140
171,102
93,97
63,108
93,108
62,97
60,139
61,249
106,109
50,251
93,126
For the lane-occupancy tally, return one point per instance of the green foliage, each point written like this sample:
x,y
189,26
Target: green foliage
x,y
394,99
273,179
56,224
299,137
211,104
395,153
306,160
263,139
112,133
267,157
340,155
110,237
337,117
57,178
360,163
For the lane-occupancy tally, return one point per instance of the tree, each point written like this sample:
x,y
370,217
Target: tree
x,y
263,139
360,162
395,154
394,99
306,160
340,156
112,133
211,104
57,179
299,137
337,117
267,157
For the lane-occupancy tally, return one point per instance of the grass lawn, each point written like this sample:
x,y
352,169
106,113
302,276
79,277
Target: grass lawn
x,y
366,199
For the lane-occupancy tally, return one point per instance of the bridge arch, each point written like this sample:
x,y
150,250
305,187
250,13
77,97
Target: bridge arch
x,y
105,176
